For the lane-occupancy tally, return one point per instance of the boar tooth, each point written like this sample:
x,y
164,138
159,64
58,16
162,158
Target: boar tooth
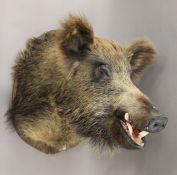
x,y
142,144
126,116
143,133
130,128
63,148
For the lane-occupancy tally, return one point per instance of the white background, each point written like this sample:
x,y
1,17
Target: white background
x,y
122,20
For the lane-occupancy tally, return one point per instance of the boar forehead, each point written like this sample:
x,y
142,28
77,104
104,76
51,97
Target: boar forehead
x,y
111,53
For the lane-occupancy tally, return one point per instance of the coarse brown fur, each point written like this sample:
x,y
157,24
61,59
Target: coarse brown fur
x,y
60,96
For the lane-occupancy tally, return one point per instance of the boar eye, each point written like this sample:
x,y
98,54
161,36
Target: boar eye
x,y
102,72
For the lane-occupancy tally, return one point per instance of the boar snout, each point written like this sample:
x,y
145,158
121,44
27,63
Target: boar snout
x,y
157,121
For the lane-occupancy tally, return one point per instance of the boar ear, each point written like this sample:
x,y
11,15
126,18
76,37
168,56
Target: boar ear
x,y
140,54
75,37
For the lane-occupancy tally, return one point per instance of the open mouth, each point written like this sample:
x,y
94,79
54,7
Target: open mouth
x,y
133,133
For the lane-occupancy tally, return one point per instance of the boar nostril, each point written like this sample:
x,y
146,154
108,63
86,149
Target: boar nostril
x,y
157,124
